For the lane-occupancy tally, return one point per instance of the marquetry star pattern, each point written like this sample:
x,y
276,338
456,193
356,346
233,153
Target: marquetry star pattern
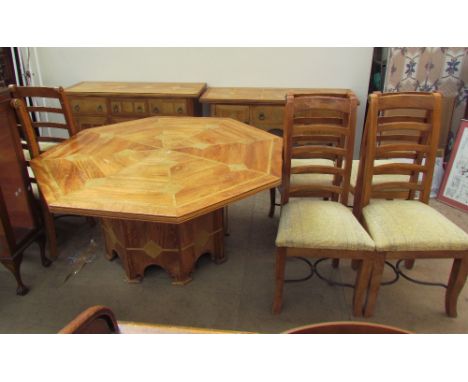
x,y
165,169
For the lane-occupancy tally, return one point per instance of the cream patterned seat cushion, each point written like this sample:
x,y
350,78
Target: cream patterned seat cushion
x,y
410,225
305,179
319,224
378,179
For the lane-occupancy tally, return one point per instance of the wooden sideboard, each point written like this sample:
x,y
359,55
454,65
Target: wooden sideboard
x,y
13,176
259,107
100,103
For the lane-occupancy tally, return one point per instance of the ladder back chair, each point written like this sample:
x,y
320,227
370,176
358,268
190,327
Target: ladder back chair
x,y
14,241
33,111
310,226
311,117
389,135
403,227
36,102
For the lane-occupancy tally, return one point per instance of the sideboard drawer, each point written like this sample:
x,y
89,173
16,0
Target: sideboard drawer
x,y
167,106
238,112
128,106
85,121
88,105
265,116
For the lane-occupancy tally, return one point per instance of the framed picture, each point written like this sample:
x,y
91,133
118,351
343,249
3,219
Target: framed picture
x,y
454,188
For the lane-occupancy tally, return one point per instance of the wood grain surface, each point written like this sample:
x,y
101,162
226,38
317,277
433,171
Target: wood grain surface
x,y
160,169
173,89
259,95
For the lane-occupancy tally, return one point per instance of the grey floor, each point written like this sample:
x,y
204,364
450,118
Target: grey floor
x,y
236,295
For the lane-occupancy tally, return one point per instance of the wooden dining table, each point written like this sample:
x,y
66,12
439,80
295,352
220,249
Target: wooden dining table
x,y
159,185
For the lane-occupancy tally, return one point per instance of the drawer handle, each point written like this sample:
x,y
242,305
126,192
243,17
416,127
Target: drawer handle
x,y
116,108
77,107
139,109
99,108
180,110
261,116
155,110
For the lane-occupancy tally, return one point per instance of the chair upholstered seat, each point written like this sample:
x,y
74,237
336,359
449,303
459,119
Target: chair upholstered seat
x,y
304,179
377,179
318,224
410,225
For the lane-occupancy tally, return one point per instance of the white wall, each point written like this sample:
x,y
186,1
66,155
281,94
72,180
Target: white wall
x,y
270,67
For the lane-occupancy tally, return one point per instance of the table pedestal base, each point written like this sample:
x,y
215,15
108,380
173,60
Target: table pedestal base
x,y
174,247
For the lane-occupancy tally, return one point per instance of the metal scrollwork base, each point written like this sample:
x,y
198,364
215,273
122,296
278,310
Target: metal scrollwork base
x,y
395,268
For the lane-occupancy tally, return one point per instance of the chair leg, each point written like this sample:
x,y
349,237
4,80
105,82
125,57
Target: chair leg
x,y
361,285
272,202
51,234
456,283
42,244
374,285
409,263
226,221
280,268
13,265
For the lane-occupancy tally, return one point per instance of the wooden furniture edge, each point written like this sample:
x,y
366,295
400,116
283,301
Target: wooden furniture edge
x,y
179,329
158,219
208,99
70,92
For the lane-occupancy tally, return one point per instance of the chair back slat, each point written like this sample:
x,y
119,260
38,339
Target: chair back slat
x,y
318,126
330,104
410,138
317,170
406,100
317,190
312,151
331,129
54,125
398,168
44,109
402,147
403,126
397,186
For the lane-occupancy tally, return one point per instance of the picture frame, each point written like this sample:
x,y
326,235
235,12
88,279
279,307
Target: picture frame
x,y
454,188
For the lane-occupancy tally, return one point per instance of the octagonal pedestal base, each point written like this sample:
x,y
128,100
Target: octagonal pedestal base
x,y
174,247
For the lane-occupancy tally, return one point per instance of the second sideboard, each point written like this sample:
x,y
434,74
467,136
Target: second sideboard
x,y
259,107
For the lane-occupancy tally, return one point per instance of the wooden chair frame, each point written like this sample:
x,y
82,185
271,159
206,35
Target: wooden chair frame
x,y
94,320
425,148
346,327
342,153
315,116
22,95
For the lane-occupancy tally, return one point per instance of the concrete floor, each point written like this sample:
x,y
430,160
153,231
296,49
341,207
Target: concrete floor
x,y
236,295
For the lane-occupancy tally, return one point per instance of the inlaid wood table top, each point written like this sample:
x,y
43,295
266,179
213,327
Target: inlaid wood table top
x,y
172,89
258,95
160,169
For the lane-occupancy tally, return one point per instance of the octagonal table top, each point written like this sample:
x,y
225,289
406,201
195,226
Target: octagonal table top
x,y
161,169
